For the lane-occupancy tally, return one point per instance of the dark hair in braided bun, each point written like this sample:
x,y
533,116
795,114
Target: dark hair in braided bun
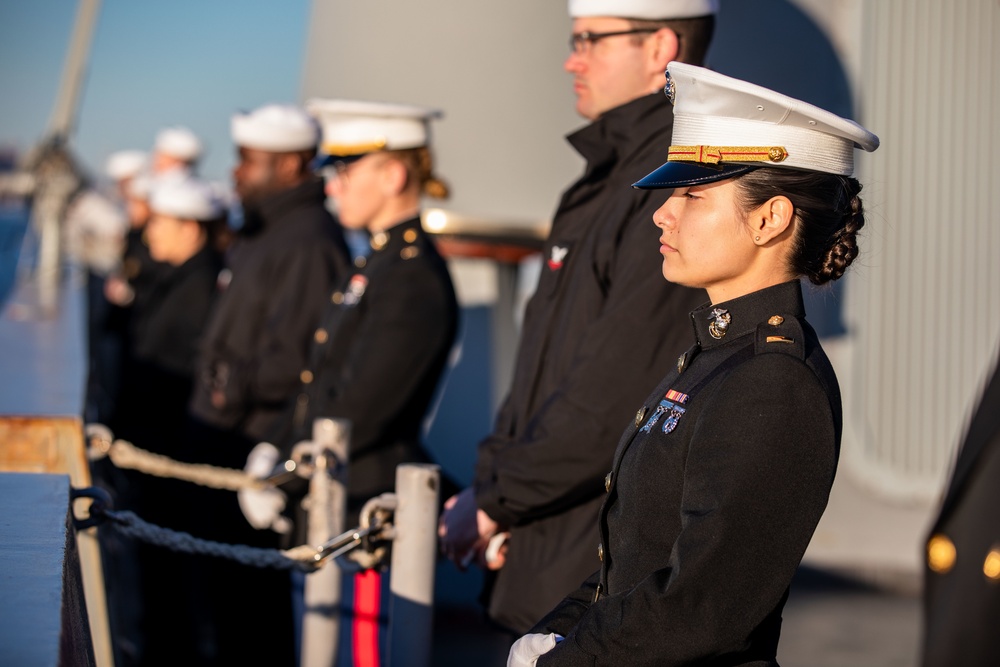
x,y
827,208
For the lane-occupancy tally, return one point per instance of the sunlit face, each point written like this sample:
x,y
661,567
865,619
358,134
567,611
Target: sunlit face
x,y
165,235
704,239
254,174
610,72
359,190
162,163
138,211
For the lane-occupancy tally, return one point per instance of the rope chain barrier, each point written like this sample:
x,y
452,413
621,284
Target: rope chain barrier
x,y
127,523
372,535
304,558
125,455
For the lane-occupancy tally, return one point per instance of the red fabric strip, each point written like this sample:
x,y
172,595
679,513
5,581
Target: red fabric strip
x,y
367,598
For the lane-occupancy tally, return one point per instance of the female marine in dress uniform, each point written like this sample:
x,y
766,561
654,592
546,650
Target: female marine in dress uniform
x,y
717,486
383,341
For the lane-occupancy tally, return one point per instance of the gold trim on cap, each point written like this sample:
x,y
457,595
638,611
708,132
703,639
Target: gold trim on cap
x,y
941,554
717,154
356,149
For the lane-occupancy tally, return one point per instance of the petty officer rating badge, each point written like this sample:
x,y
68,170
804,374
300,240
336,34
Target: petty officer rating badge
x,y
557,258
670,406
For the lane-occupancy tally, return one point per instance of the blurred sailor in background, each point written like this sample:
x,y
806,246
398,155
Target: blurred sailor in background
x,y
166,327
382,344
285,261
95,230
176,152
602,327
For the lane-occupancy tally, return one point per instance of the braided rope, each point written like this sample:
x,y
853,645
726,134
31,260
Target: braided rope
x,y
129,524
127,456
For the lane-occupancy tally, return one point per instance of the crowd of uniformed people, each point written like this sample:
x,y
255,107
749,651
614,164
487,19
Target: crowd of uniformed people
x,y
230,322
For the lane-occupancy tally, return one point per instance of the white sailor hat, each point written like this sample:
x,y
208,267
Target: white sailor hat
x,y
187,199
352,129
278,128
125,164
178,142
644,9
724,127
140,186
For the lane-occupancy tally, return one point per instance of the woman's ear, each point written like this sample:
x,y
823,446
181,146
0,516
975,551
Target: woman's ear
x,y
771,219
394,177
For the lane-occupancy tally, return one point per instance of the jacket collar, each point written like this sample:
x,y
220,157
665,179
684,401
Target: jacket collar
x,y
397,236
269,211
614,133
740,316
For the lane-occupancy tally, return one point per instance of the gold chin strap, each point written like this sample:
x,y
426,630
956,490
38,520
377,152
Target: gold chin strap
x,y
717,154
355,149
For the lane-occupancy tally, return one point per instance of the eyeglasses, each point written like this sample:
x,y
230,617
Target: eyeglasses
x,y
581,42
340,169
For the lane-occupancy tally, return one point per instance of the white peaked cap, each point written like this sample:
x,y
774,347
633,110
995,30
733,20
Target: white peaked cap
x,y
125,164
725,126
178,142
278,128
352,127
643,9
140,186
187,199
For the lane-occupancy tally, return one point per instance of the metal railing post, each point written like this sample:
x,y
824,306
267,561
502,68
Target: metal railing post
x,y
411,575
327,511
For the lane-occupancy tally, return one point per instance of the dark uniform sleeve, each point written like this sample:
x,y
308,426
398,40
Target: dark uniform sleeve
x,y
298,291
759,470
406,329
565,453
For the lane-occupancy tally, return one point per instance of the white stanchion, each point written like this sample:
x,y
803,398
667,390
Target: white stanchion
x,y
414,554
327,510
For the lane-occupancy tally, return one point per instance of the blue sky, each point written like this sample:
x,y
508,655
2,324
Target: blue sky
x,y
152,63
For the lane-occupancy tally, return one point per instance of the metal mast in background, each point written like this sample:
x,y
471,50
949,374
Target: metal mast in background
x,y
56,176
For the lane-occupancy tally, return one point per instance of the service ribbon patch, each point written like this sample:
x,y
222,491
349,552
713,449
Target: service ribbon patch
x,y
669,406
355,289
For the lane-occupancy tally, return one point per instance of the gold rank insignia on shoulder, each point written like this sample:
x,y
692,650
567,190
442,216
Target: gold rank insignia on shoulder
x,y
991,566
776,321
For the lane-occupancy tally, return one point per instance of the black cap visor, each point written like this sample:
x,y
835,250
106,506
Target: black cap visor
x,y
680,174
326,160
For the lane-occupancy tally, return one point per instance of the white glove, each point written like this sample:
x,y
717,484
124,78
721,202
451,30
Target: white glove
x,y
525,651
262,507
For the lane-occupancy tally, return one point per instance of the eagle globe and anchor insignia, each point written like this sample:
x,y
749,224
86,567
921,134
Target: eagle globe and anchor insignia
x,y
669,406
720,322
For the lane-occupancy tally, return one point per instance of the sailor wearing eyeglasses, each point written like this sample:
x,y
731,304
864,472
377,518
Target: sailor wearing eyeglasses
x,y
602,327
